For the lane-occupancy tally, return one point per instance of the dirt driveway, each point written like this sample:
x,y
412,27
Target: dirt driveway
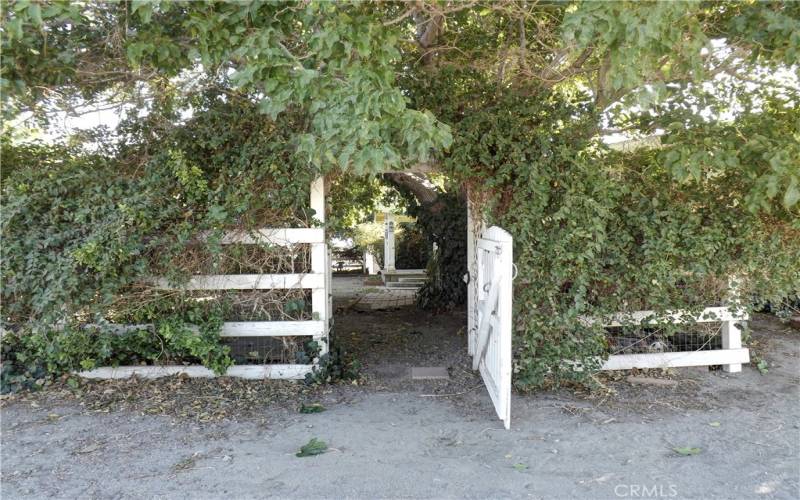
x,y
394,438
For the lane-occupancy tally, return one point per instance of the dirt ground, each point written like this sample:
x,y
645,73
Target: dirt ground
x,y
390,437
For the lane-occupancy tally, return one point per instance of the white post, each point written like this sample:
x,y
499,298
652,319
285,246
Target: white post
x,y
369,263
471,279
504,315
388,242
732,334
328,291
475,228
731,339
320,264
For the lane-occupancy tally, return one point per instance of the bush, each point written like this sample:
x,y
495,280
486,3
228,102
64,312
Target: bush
x,y
84,233
412,248
598,232
444,225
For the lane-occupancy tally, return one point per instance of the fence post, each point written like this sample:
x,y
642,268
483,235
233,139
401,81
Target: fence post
x,y
731,339
320,264
731,333
471,278
388,243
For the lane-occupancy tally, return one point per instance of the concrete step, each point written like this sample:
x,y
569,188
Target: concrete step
x,y
421,279
404,274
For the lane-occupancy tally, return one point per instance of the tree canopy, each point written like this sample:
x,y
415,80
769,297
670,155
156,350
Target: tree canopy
x,y
512,99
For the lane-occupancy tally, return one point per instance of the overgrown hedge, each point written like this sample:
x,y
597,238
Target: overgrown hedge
x,y
84,233
595,232
598,232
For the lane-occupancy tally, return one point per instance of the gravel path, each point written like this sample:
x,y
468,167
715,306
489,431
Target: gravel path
x,y
393,440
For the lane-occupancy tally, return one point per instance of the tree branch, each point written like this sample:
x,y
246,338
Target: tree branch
x,y
415,183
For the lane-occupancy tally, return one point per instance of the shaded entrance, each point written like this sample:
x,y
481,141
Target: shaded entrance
x,y
376,317
380,325
467,283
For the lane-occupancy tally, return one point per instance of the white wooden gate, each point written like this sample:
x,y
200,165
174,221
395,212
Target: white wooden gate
x,y
490,294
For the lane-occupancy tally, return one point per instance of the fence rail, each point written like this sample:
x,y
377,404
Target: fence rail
x,y
196,371
280,237
248,282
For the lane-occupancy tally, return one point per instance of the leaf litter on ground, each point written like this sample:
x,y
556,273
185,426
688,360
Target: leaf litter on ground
x,y
183,398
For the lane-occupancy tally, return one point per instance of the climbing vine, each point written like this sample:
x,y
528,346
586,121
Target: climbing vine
x,y
598,232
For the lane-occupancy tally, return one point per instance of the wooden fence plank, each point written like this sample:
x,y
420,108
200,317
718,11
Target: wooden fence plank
x,y
294,372
272,328
281,237
320,263
708,315
675,359
248,282
731,339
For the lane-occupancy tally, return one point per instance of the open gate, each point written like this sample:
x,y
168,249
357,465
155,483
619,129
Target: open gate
x,y
490,260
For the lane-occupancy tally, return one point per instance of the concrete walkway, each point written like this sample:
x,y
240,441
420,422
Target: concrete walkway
x,y
351,292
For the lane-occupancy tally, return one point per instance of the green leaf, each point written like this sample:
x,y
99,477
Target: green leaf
x,y
35,13
312,408
714,424
687,451
144,7
217,213
792,195
313,447
136,4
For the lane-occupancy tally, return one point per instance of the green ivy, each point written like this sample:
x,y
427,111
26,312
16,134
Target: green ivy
x,y
85,232
248,102
597,232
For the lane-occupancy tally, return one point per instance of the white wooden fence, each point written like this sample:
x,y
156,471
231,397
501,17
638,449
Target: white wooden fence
x,y
318,281
730,356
